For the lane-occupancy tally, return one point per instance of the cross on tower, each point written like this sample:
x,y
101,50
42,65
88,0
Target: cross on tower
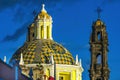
x,y
99,10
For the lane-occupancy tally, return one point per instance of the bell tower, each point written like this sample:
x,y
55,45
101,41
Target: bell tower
x,y
99,48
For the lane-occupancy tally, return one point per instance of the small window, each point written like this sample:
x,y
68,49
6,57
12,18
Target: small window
x,y
48,33
99,36
99,60
33,35
42,32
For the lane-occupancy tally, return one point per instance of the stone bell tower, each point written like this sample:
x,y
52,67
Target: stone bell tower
x,y
99,48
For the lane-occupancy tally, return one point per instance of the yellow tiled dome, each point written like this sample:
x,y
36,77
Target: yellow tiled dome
x,y
39,51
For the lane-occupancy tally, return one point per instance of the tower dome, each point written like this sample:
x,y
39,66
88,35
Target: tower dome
x,y
98,22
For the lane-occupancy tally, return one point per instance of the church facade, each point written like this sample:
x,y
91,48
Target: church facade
x,y
41,58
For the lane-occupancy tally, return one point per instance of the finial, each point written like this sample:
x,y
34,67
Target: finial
x,y
77,59
43,8
21,60
52,59
4,58
80,62
99,10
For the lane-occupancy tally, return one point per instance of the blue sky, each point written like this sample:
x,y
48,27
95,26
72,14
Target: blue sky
x,y
72,21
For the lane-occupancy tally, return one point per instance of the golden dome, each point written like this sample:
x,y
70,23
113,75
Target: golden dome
x,y
39,51
98,23
43,15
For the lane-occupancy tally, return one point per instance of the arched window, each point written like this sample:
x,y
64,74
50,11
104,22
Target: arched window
x,y
42,32
99,59
48,33
99,36
33,35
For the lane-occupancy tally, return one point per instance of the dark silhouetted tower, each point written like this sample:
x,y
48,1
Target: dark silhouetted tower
x,y
99,48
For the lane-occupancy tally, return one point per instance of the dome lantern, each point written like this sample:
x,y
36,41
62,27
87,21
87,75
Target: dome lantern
x,y
43,25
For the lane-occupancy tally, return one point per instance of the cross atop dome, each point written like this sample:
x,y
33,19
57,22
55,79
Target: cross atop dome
x,y
99,10
43,8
